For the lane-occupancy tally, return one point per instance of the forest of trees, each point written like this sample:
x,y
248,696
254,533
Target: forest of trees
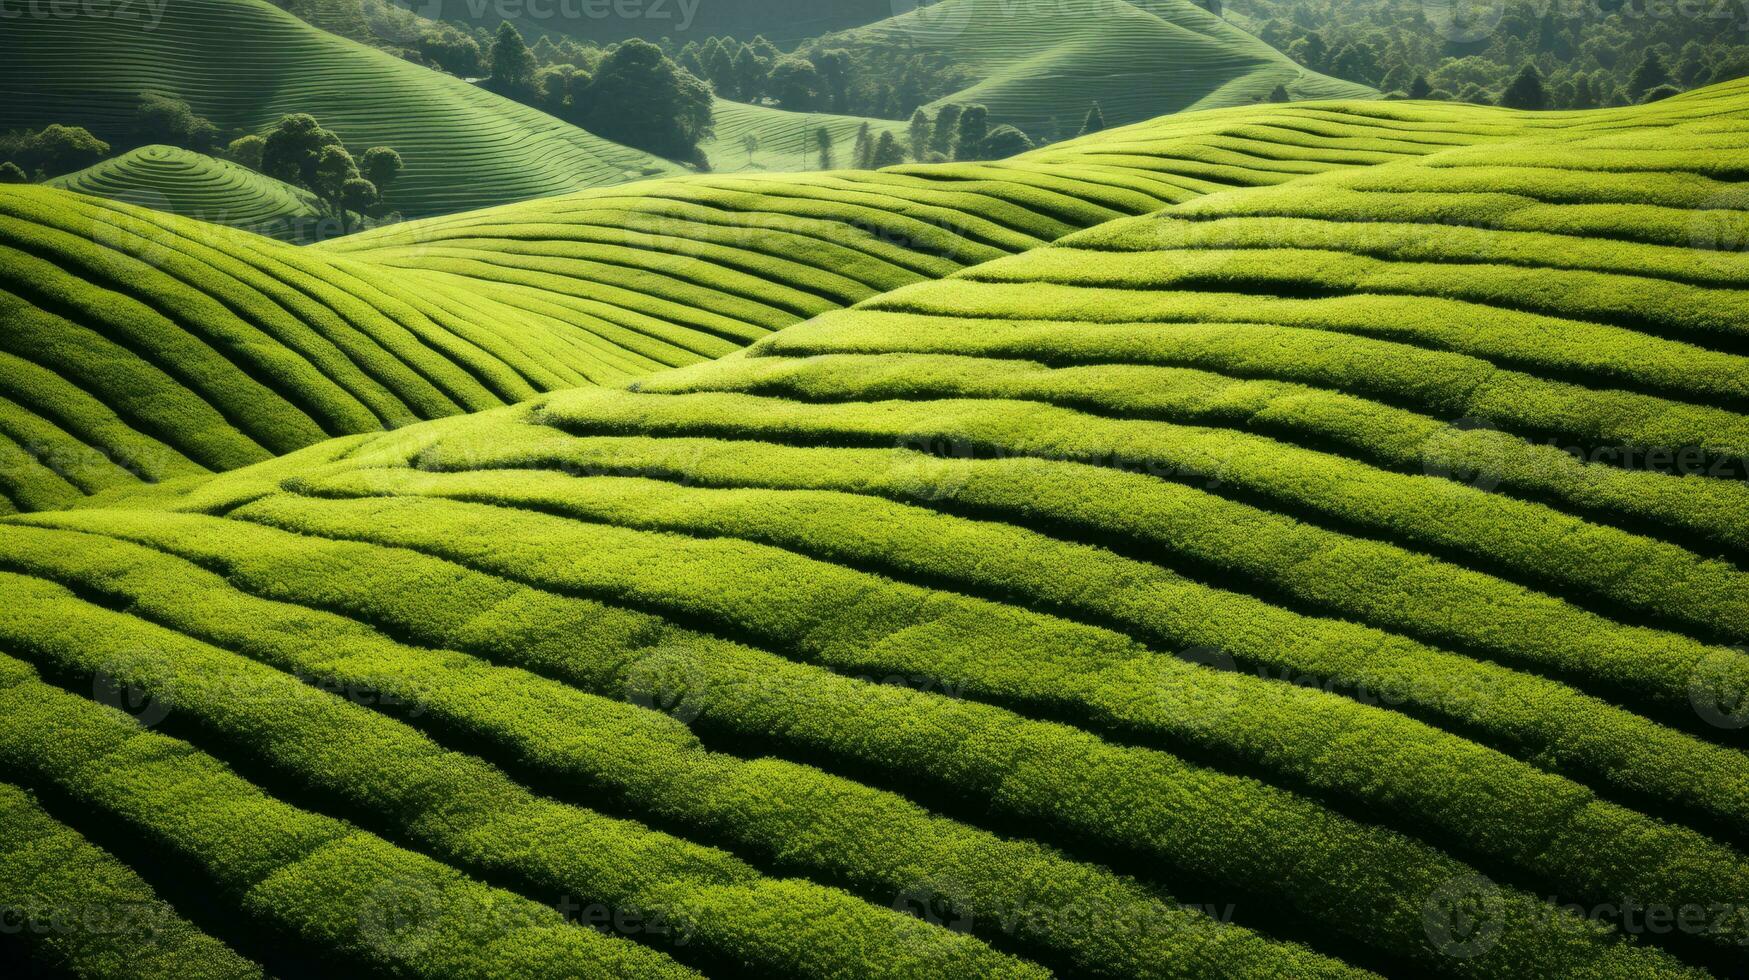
x,y
1541,54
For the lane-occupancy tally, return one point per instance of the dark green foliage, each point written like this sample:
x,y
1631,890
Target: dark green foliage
x,y
11,173
513,65
863,152
947,128
641,98
920,134
1583,59
1003,142
1650,73
1526,91
56,150
974,126
452,51
795,84
294,148
249,151
824,145
170,121
887,152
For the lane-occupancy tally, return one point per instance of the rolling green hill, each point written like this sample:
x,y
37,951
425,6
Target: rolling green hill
x,y
246,63
219,349
1334,570
783,22
1040,65
194,185
787,140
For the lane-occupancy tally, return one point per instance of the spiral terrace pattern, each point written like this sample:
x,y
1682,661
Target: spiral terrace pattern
x,y
193,185
1127,606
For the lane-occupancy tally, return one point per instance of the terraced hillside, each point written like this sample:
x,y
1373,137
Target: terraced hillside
x,y
245,63
784,22
1329,577
1041,63
152,347
194,185
788,141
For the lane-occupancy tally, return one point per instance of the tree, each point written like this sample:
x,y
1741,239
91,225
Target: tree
x,y
381,166
1692,66
974,127
1649,74
1094,123
763,49
947,129
512,64
357,195
641,98
864,151
247,150
552,89
452,51
750,143
719,65
1280,94
920,132
1420,88
1357,62
293,148
164,120
750,73
11,173
58,149
795,83
824,144
1397,79
834,68
887,152
1003,142
1526,91
334,167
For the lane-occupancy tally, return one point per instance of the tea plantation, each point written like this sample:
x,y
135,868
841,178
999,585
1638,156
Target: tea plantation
x,y
1289,542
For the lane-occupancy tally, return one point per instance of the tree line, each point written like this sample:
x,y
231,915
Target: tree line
x,y
1541,54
